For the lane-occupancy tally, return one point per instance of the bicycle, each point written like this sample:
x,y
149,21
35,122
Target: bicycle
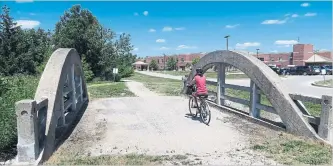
x,y
203,109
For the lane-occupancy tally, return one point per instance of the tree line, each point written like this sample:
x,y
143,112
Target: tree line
x,y
26,51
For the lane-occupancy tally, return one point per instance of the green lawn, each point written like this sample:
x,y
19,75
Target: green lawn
x,y
290,150
230,75
159,85
108,89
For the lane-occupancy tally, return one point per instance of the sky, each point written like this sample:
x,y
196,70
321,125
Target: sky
x,y
174,27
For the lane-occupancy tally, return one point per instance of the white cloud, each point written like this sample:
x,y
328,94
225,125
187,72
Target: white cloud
x,y
180,28
232,26
152,30
180,47
167,29
164,48
247,44
288,14
27,24
310,14
285,42
274,51
274,22
145,13
136,49
160,40
32,14
294,15
23,1
136,14
305,4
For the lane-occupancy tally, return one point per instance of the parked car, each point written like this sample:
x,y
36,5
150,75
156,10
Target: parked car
x,y
303,70
275,69
328,69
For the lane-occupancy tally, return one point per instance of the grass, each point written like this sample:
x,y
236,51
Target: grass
x,y
230,75
290,150
328,83
164,86
129,159
12,89
108,89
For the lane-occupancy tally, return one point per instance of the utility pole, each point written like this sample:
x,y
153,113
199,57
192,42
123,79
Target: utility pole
x,y
164,61
227,37
297,39
257,52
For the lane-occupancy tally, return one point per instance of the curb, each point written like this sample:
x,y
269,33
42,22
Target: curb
x,y
322,86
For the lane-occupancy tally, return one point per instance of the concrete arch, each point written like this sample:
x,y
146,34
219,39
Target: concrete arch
x,y
63,62
268,82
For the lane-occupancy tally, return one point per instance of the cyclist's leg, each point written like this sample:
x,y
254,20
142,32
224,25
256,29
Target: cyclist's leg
x,y
195,100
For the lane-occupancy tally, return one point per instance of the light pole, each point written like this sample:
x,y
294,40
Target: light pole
x,y
164,61
227,37
257,52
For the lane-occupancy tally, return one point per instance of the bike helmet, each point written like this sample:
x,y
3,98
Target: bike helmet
x,y
199,71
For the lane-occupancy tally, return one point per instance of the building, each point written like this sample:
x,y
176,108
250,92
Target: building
x,y
301,55
183,60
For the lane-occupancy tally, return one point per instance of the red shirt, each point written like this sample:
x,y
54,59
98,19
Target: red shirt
x,y
201,84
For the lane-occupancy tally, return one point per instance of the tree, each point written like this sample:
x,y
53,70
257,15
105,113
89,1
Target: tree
x,y
153,64
195,61
188,65
171,63
79,28
21,51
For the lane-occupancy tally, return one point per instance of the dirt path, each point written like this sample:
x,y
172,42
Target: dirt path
x,y
139,89
159,125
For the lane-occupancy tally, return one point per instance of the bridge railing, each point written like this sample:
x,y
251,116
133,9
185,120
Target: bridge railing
x,y
321,124
60,96
31,124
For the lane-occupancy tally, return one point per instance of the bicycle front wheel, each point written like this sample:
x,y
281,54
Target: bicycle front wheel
x,y
205,112
192,107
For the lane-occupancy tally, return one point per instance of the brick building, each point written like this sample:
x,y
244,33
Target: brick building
x,y
300,56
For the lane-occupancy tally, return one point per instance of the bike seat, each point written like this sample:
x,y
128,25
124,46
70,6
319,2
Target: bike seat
x,y
203,96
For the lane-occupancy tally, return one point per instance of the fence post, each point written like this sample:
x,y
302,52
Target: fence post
x,y
27,131
325,130
254,99
220,83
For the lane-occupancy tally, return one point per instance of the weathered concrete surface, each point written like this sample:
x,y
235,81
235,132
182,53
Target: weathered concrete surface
x,y
159,126
51,86
269,82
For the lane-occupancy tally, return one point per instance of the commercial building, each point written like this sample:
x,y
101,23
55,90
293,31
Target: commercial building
x,y
301,55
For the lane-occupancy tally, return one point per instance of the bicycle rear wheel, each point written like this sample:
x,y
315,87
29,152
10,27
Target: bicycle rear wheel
x,y
191,104
205,112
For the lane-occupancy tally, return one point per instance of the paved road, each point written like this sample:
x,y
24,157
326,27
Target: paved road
x,y
295,84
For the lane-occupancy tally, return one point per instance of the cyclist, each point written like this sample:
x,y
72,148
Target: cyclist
x,y
200,81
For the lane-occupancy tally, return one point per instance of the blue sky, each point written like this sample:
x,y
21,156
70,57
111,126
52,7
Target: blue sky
x,y
189,27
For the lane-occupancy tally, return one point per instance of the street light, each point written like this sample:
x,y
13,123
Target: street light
x,y
257,52
227,39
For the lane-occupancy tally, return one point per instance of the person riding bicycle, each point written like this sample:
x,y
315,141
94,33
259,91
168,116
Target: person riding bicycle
x,y
200,81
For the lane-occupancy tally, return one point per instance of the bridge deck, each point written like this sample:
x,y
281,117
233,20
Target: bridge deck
x,y
159,126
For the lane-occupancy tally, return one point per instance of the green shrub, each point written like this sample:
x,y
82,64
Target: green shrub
x,y
13,89
126,71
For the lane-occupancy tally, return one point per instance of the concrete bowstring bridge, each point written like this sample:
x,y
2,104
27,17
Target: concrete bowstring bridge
x,y
62,95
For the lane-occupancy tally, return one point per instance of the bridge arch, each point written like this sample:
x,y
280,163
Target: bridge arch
x,y
63,85
267,81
